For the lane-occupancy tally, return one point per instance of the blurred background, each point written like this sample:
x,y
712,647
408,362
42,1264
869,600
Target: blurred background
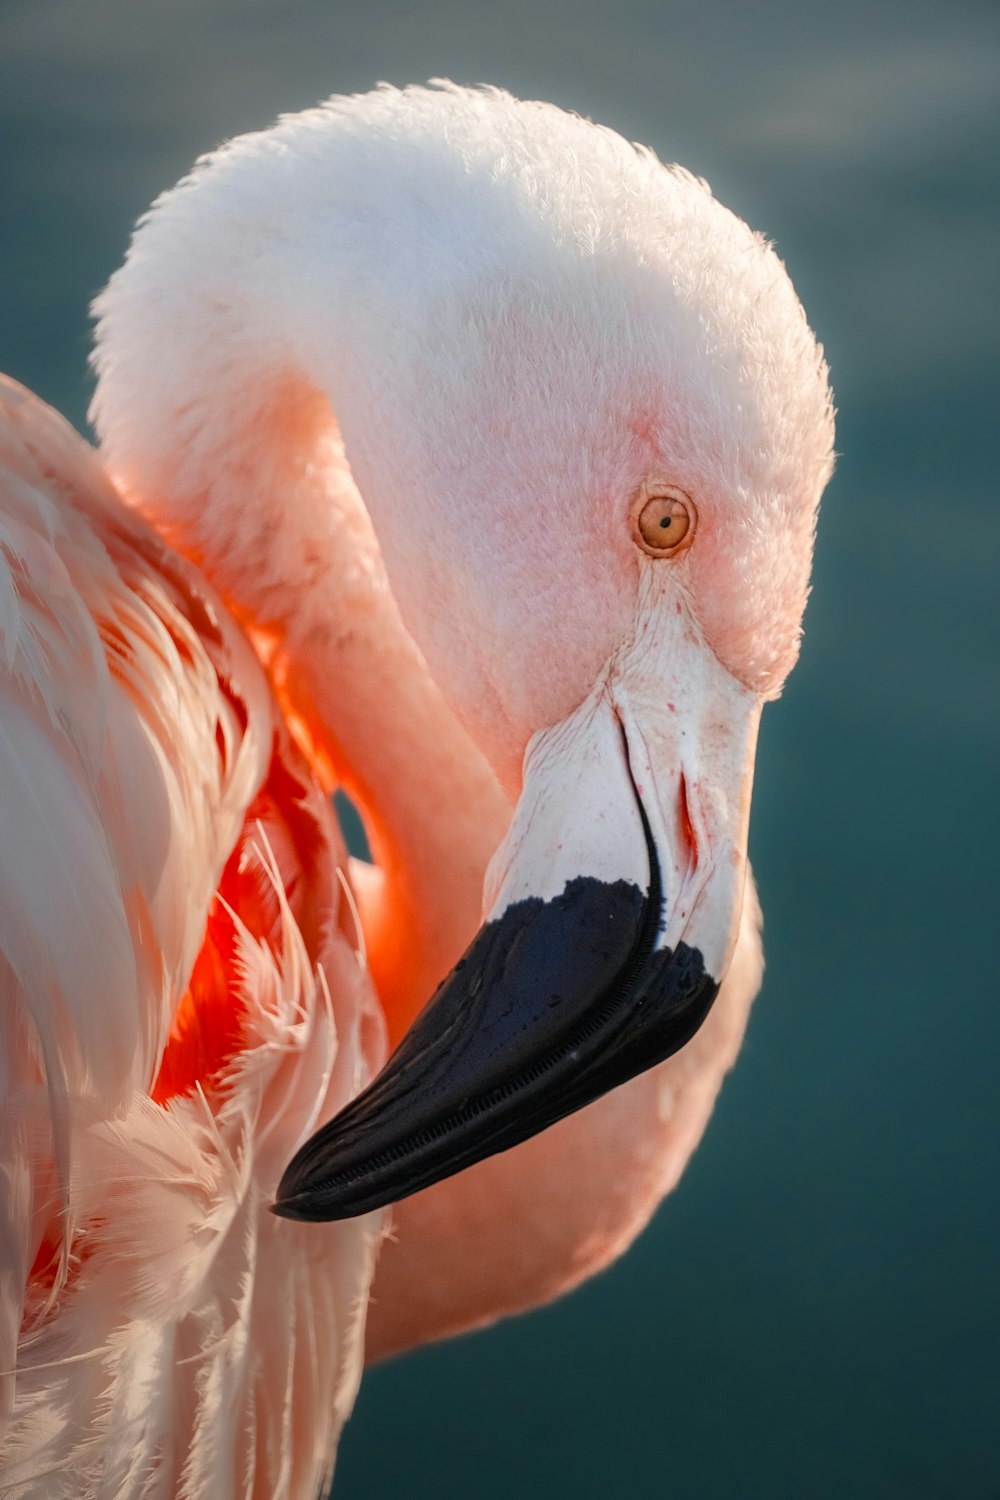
x,y
815,1311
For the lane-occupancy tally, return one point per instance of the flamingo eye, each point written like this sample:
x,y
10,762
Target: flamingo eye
x,y
665,522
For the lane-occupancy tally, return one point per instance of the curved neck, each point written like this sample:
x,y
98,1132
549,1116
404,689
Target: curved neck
x,y
218,424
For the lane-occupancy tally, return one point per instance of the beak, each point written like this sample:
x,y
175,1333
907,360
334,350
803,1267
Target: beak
x,y
614,904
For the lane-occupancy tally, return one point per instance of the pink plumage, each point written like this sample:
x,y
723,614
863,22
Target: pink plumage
x,y
402,378
171,1336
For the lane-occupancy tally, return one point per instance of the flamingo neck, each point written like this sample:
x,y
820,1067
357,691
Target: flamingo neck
x,y
215,407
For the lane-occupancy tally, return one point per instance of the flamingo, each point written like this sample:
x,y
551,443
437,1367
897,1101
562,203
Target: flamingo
x,y
501,445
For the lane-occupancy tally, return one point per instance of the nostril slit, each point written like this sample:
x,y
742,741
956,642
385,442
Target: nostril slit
x,y
687,826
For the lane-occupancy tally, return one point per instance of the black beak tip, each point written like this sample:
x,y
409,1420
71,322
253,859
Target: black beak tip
x,y
297,1199
289,1208
399,1137
306,1207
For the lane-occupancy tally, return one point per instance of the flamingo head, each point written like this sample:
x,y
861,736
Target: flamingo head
x,y
592,428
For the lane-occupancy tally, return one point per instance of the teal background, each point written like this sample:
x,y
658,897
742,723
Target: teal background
x,y
814,1313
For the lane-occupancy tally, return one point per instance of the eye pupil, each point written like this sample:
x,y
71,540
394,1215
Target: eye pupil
x,y
666,522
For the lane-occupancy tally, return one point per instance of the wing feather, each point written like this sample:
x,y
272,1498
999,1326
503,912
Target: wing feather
x,y
170,1336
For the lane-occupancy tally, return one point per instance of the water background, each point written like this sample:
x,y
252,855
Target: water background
x,y
814,1313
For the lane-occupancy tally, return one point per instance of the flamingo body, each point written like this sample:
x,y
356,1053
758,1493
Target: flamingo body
x,y
182,1005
